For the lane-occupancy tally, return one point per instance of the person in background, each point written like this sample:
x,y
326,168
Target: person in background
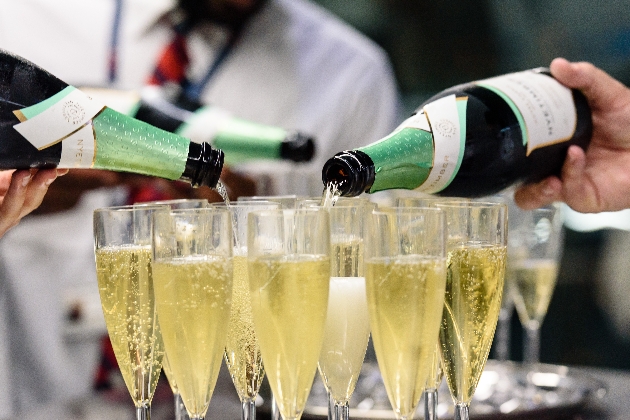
x,y
21,192
287,63
597,180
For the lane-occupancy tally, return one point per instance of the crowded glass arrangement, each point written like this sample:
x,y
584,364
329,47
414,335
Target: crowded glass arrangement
x,y
284,287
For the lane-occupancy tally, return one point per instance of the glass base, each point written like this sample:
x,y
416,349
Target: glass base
x,y
461,411
143,412
430,404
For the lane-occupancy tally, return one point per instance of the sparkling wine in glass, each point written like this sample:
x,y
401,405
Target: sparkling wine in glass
x,y
192,270
289,274
288,201
534,251
242,351
405,282
180,410
477,254
347,325
417,199
124,273
176,204
433,384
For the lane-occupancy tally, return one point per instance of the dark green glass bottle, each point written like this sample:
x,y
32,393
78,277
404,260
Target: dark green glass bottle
x,y
239,139
472,140
46,123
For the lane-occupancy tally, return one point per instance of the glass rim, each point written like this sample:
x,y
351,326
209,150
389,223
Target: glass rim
x,y
407,209
477,204
194,210
244,203
284,211
131,207
432,199
176,200
266,197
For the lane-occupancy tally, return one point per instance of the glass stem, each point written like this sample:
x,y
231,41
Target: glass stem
x,y
341,411
249,409
430,404
275,410
461,411
143,412
503,336
179,406
331,407
532,345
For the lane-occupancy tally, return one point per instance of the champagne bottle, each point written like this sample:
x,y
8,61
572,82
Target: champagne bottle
x,y
472,140
46,123
239,139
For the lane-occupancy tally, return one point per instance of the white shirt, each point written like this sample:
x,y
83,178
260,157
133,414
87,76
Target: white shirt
x,y
295,66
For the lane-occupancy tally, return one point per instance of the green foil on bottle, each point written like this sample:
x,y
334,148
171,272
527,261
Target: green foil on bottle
x,y
240,139
129,145
401,160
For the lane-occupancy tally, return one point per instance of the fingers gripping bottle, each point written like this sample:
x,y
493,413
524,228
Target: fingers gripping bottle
x,y
472,140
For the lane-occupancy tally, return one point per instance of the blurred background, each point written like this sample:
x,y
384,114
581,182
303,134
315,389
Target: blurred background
x,y
436,44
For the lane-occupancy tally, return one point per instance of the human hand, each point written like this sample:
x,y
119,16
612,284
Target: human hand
x,y
599,179
21,192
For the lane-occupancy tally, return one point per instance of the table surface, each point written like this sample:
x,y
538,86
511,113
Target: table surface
x,y
613,405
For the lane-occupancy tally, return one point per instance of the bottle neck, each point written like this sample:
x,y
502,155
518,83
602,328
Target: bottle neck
x,y
297,147
240,139
352,171
203,166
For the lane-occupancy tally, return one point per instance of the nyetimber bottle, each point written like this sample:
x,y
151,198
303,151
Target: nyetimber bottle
x,y
472,140
238,138
46,123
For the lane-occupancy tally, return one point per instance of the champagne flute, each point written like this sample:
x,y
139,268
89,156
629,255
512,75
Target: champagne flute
x,y
534,249
502,334
405,283
435,378
176,204
477,253
286,202
180,410
347,325
124,273
433,384
192,270
242,351
289,274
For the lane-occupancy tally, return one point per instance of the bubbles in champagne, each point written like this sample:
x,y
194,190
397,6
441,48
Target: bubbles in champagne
x,y
220,188
125,281
330,195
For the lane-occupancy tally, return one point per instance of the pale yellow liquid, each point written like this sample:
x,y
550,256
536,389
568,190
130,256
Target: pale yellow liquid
x,y
126,290
289,302
330,195
345,336
242,352
166,368
474,286
405,301
436,374
533,284
346,258
193,297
